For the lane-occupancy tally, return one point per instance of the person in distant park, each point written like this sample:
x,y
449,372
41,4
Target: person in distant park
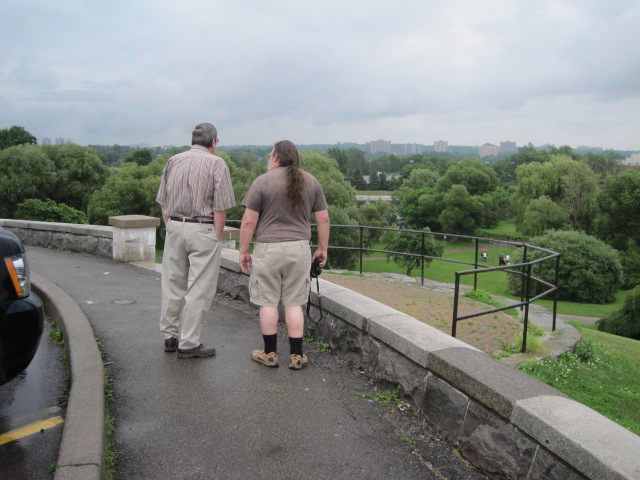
x,y
279,205
501,260
195,193
508,258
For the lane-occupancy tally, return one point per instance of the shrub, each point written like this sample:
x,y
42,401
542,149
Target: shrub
x,y
589,271
630,259
626,321
49,211
587,350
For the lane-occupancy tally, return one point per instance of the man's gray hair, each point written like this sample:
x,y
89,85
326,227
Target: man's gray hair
x,y
204,134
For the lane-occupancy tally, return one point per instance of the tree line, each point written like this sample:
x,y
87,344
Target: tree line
x,y
544,192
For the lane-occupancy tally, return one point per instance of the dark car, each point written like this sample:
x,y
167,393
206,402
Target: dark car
x,y
21,311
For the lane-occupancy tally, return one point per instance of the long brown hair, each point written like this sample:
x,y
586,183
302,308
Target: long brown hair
x,y
289,158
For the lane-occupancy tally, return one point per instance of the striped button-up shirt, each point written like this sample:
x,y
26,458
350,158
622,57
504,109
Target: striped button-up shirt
x,y
195,184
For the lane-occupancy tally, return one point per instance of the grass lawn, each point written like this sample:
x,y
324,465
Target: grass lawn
x,y
506,228
602,375
492,282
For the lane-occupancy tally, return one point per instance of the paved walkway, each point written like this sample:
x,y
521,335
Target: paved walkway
x,y
227,417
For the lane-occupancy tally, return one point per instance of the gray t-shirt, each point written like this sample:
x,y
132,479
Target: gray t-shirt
x,y
277,221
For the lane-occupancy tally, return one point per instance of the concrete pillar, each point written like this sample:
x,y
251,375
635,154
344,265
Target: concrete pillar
x,y
229,237
134,238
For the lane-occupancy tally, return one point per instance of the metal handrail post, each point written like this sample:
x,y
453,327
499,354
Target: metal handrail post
x,y
524,277
456,293
555,294
475,276
361,246
526,311
422,261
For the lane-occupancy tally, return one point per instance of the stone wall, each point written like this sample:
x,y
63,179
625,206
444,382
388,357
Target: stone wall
x,y
501,420
93,239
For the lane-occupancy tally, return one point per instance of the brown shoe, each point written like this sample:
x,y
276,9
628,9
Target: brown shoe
x,y
297,362
268,359
171,344
199,351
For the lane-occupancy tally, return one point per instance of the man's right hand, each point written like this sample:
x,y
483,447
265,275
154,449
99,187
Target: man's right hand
x,y
245,263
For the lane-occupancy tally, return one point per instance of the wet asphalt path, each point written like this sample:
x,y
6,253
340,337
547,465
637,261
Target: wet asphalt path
x,y
30,415
227,417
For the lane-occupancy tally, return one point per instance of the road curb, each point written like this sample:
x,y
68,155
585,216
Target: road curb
x,y
82,449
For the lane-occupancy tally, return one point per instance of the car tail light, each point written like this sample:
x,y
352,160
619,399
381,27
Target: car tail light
x,y
19,274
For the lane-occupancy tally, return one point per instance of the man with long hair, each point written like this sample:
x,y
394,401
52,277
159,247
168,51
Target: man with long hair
x,y
279,205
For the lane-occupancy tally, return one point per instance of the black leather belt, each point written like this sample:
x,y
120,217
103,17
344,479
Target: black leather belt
x,y
190,220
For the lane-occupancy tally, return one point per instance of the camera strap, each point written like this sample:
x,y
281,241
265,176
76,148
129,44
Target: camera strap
x,y
319,301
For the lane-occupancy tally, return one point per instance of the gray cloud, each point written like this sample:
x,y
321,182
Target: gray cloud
x,y
552,71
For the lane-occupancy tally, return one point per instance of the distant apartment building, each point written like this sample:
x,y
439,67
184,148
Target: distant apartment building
x,y
441,146
46,141
488,150
406,148
632,160
508,148
585,149
380,146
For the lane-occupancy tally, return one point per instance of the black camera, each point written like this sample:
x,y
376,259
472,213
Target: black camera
x,y
315,268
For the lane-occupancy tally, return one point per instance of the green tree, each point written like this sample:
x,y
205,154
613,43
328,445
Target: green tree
x,y
626,321
528,154
340,156
241,179
49,211
413,242
383,183
345,237
142,157
337,190
14,136
542,214
130,190
375,214
357,159
357,180
477,177
26,172
421,208
421,178
79,173
579,188
535,180
602,164
589,271
630,259
462,213
374,182
618,218
405,172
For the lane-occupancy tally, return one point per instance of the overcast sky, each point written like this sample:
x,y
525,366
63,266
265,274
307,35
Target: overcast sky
x,y
466,71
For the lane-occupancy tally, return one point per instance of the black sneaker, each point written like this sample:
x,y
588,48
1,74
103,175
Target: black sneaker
x,y
199,351
171,344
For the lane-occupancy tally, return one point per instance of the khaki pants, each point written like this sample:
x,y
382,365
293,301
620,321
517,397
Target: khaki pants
x,y
190,267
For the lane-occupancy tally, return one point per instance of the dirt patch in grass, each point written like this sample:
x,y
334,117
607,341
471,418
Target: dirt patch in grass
x,y
434,306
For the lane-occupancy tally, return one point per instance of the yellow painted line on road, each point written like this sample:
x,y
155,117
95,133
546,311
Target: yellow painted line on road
x,y
30,429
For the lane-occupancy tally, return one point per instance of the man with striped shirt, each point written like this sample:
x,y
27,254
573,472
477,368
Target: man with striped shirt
x,y
195,193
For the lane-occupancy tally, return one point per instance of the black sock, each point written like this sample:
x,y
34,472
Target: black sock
x,y
270,343
295,344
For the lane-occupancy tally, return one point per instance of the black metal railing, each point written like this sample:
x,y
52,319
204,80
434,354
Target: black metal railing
x,y
522,269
